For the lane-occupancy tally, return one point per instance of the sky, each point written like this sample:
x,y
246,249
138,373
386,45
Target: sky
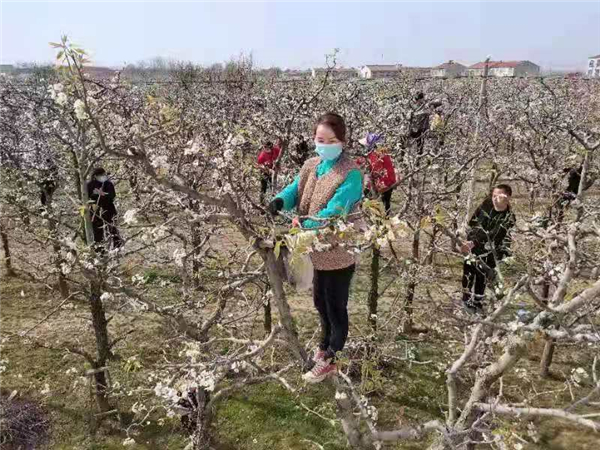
x,y
556,35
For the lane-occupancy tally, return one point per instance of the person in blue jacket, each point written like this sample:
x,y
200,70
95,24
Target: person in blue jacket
x,y
328,187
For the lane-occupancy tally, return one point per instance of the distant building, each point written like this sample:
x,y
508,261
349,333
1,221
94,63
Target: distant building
x,y
296,74
99,73
338,73
419,72
450,69
593,68
380,70
7,68
506,69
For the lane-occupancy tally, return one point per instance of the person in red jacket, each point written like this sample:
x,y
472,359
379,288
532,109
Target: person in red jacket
x,y
380,168
266,163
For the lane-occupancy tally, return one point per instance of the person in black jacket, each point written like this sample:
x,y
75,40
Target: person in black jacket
x,y
48,181
489,240
564,199
301,152
573,182
419,122
101,194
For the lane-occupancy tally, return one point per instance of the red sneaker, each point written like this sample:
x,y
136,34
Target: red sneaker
x,y
322,370
319,355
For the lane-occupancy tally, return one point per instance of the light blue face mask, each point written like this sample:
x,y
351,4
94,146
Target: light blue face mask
x,y
327,152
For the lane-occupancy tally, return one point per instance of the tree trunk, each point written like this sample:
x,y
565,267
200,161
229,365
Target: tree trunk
x,y
100,325
547,356
268,322
283,307
101,385
494,176
374,292
7,261
485,378
532,198
548,352
201,437
478,126
410,291
358,437
196,266
63,286
434,235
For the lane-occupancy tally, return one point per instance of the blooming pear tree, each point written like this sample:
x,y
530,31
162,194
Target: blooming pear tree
x,y
203,256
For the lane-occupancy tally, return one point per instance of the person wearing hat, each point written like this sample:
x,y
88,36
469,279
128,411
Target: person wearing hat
x,y
101,194
380,168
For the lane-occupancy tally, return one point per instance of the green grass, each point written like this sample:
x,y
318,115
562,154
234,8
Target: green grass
x,y
267,417
259,417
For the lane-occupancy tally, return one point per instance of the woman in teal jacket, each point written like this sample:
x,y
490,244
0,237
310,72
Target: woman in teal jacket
x,y
329,186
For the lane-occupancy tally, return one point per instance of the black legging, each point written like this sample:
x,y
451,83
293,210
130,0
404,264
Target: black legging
x,y
331,289
386,198
265,182
47,189
99,224
475,277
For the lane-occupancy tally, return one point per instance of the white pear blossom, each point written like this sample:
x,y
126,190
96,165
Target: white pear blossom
x,y
207,380
3,365
138,408
192,148
106,296
128,442
578,375
79,107
166,392
137,278
65,268
160,162
340,395
238,365
395,221
130,216
178,256
159,232
238,140
228,155
342,226
382,242
61,99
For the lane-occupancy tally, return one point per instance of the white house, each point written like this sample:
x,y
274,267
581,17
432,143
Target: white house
x,y
449,69
506,69
336,73
380,70
297,74
593,68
